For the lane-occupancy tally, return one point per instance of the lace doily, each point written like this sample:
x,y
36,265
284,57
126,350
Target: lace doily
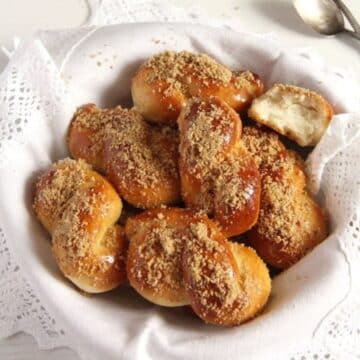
x,y
337,336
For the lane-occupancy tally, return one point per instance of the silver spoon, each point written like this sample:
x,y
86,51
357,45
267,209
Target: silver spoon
x,y
325,16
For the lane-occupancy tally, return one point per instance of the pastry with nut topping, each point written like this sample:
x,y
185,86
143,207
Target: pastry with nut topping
x,y
164,83
80,210
290,222
218,175
178,257
139,159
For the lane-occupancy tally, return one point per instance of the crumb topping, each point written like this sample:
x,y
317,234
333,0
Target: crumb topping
x,y
137,151
141,153
89,118
266,149
214,280
92,118
79,229
209,131
279,208
75,199
207,134
245,80
213,276
160,257
177,68
71,233
57,186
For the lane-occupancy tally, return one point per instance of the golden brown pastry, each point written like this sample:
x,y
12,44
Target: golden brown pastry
x,y
177,257
156,240
164,83
290,222
85,138
227,283
300,114
139,159
218,175
80,208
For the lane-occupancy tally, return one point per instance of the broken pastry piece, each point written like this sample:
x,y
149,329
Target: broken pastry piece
x,y
218,175
164,83
300,114
290,222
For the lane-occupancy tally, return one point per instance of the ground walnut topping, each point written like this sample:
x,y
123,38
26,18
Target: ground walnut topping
x,y
138,149
71,228
213,277
206,137
141,151
265,147
234,190
66,177
161,257
280,219
175,68
245,79
92,118
92,122
279,194
208,159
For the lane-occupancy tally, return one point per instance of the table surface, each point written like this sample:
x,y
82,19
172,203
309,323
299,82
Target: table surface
x,y
277,17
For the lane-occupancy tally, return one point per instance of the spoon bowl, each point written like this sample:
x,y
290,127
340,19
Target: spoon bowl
x,y
322,15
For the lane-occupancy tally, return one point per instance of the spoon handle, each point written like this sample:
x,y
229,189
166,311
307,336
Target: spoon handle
x,y
354,23
353,34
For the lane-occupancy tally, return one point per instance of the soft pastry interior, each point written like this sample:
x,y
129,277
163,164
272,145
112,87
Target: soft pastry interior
x,y
298,113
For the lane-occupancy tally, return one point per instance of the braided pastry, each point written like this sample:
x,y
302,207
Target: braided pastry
x,y
218,175
165,82
79,208
290,222
140,160
177,257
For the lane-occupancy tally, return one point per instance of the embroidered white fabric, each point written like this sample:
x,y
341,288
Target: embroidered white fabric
x,y
33,93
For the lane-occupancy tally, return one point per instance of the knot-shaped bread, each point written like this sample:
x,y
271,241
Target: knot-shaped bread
x,y
290,222
164,83
218,175
80,208
177,257
139,159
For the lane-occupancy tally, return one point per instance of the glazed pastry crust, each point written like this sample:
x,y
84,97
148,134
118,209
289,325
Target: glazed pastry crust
x,y
156,241
178,257
218,175
164,83
290,222
226,282
79,208
140,160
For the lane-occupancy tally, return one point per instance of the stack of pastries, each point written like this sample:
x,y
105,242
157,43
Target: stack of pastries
x,y
159,194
